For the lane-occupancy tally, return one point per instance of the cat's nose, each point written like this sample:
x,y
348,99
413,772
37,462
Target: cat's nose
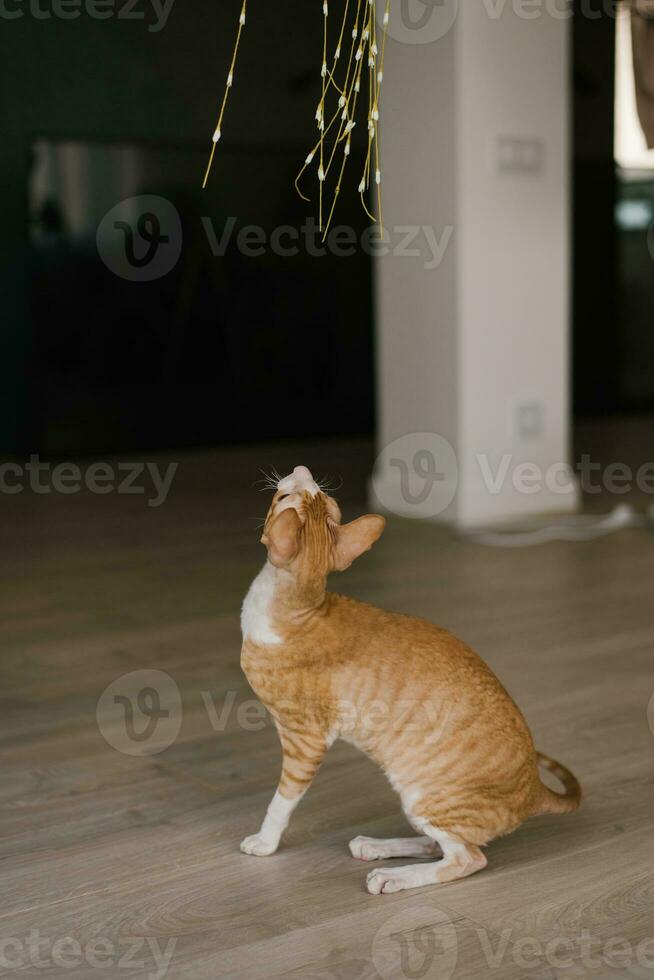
x,y
298,481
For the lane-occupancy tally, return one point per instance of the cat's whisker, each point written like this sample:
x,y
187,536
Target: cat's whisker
x,y
270,480
325,485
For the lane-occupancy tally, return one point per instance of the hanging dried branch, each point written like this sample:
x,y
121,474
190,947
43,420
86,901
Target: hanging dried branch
x,y
336,114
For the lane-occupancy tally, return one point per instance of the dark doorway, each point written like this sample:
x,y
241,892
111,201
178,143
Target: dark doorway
x,y
613,274
251,327
595,326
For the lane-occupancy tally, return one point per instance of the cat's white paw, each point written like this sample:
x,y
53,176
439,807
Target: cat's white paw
x,y
382,881
365,849
258,846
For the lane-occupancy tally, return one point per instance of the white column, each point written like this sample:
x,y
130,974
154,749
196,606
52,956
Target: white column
x,y
472,334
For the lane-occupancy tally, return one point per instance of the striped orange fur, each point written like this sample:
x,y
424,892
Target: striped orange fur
x,y
411,695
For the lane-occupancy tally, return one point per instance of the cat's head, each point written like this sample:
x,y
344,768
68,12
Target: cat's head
x,y
303,531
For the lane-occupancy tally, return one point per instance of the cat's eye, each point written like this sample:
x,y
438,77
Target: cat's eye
x,y
283,497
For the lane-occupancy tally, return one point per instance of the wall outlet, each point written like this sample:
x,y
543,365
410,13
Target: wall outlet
x,y
515,155
530,420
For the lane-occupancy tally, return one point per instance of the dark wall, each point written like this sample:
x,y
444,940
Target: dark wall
x,y
120,79
595,328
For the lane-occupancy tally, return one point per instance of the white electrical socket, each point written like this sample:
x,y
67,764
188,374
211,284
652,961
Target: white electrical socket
x,y
519,155
530,420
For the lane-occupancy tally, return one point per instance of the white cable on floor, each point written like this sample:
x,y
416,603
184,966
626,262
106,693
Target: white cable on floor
x,y
579,528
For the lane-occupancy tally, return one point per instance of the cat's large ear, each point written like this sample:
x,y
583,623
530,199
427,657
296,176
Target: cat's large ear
x,y
354,539
282,539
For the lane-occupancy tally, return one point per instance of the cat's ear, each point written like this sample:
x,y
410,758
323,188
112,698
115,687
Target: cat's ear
x,y
354,539
282,539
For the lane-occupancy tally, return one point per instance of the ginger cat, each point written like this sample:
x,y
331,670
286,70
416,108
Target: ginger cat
x,y
413,697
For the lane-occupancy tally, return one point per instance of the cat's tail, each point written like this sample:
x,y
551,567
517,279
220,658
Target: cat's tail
x,y
551,802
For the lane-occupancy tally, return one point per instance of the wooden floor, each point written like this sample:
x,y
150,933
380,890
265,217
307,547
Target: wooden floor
x,y
120,865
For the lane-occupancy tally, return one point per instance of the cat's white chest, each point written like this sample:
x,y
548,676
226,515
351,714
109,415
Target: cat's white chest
x,y
255,614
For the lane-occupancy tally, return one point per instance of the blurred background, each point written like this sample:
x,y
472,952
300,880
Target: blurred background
x,y
486,361
120,107
515,316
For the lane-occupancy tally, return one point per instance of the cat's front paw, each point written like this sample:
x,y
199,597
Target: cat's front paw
x,y
258,846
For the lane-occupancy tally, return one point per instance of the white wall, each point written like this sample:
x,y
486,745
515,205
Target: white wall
x,y
463,347
513,80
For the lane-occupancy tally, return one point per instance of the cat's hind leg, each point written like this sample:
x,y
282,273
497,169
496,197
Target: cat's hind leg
x,y
372,849
459,860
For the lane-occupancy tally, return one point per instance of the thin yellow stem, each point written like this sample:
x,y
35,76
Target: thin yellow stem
x,y
343,131
365,207
366,169
380,78
321,176
209,165
230,78
364,45
339,110
337,52
336,193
